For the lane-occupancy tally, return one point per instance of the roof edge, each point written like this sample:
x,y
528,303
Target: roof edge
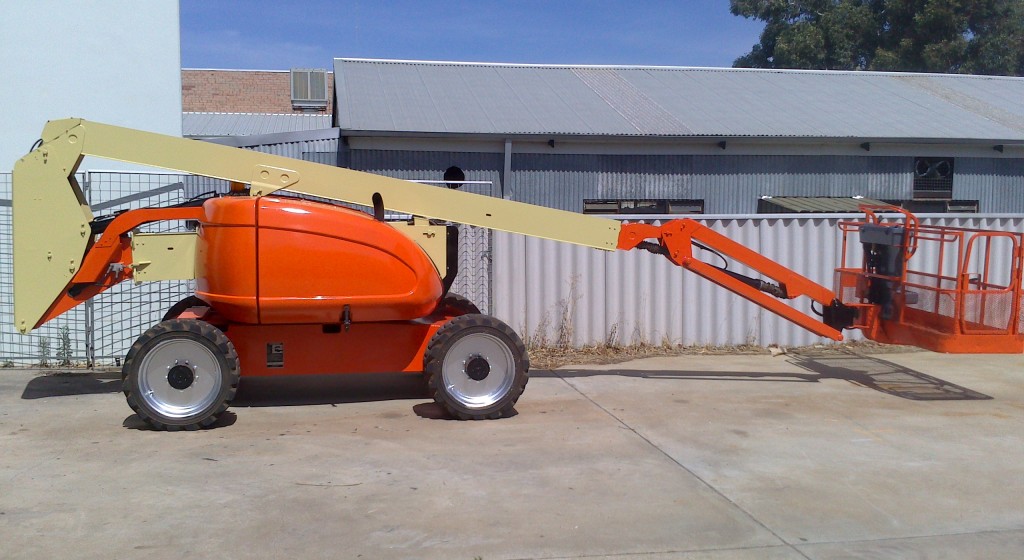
x,y
257,114
329,71
271,138
673,68
544,136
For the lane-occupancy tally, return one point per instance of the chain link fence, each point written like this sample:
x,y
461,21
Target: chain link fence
x,y
100,331
474,279
61,342
119,315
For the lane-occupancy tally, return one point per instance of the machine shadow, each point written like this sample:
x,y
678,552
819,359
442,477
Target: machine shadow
x,y
867,371
297,390
285,390
72,383
133,422
884,376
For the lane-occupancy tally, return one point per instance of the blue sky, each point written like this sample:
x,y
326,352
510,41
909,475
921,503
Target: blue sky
x,y
278,35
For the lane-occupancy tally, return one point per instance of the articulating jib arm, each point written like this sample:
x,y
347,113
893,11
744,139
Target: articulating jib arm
x,y
676,239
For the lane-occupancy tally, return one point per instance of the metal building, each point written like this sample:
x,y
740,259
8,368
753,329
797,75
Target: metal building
x,y
627,139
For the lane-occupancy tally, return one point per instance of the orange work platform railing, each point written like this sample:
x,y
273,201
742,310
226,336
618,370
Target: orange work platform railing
x,y
946,289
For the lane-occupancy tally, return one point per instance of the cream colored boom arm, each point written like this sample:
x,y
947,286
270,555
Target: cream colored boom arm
x,y
268,173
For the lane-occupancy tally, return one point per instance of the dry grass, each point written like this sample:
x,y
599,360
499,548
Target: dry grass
x,y
551,357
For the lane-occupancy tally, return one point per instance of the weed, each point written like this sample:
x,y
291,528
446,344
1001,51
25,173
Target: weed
x,y
567,314
64,349
44,351
611,340
539,337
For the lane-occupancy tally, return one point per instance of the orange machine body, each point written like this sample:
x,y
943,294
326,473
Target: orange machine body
x,y
277,261
299,287
390,346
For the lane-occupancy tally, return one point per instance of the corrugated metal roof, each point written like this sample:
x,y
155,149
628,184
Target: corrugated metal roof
x,y
816,204
477,98
245,124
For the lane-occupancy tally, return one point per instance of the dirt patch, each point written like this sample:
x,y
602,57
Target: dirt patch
x,y
551,357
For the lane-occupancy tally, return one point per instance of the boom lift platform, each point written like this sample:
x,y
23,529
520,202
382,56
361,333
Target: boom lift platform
x,y
291,286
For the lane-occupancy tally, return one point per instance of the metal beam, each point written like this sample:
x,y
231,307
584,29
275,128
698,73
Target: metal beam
x,y
506,174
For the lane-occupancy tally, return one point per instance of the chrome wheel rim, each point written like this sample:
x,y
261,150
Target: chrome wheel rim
x,y
478,370
179,378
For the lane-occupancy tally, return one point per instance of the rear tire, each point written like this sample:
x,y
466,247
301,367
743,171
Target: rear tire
x,y
477,367
180,375
454,304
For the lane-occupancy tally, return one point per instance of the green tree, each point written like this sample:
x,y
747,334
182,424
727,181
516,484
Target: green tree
x,y
948,36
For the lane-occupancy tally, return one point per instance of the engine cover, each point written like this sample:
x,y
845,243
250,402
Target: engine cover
x,y
279,260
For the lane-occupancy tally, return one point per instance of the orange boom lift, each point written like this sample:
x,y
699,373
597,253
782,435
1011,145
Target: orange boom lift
x,y
291,286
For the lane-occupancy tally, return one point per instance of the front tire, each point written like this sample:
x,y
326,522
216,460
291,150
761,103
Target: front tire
x,y
180,375
180,307
477,367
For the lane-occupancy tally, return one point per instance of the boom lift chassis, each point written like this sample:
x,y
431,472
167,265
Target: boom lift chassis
x,y
290,286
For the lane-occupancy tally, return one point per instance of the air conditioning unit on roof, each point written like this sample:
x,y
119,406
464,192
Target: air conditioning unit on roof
x,y
309,89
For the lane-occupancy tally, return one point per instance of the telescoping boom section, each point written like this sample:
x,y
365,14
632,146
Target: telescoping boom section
x,y
286,285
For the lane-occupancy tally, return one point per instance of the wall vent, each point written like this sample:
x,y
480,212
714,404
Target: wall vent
x,y
309,89
933,178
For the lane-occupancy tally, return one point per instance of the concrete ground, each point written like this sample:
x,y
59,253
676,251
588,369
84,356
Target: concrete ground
x,y
696,457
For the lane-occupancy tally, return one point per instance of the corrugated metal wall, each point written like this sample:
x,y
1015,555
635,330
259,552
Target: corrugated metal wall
x,y
564,181
429,166
320,151
729,184
997,183
732,184
551,291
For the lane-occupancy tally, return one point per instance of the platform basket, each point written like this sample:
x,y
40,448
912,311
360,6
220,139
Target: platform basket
x,y
958,289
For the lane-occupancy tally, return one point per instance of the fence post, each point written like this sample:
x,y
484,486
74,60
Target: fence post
x,y
90,316
500,190
90,342
488,256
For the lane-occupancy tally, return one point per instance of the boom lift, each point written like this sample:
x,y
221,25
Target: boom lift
x,y
291,286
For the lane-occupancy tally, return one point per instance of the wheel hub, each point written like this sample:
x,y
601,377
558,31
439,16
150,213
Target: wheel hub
x,y
181,377
477,368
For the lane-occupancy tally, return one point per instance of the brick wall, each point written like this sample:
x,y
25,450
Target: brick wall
x,y
241,91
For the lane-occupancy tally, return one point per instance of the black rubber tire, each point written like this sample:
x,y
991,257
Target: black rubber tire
x,y
201,333
454,304
443,342
181,306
